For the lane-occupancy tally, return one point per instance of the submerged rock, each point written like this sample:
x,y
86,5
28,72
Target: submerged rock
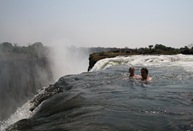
x,y
48,92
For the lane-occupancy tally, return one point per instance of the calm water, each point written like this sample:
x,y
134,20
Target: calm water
x,y
109,100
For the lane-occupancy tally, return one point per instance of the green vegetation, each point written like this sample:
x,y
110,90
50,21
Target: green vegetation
x,y
150,50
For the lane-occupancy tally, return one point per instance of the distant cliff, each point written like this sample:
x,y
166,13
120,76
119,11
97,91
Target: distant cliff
x,y
93,58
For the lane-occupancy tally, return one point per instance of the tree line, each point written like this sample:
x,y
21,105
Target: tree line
x,y
150,50
36,49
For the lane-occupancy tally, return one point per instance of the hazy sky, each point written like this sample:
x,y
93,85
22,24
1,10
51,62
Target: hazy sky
x,y
104,23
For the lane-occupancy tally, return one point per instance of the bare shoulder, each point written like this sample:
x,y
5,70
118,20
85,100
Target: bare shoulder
x,y
137,77
149,78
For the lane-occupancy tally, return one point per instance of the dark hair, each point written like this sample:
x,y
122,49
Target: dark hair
x,y
131,68
145,69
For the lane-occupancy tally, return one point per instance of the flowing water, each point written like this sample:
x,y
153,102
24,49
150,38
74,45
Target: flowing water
x,y
107,99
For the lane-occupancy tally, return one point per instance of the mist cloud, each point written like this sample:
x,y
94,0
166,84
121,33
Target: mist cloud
x,y
68,60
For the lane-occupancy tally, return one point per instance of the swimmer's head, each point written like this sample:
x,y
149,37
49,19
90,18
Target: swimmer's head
x,y
131,69
144,73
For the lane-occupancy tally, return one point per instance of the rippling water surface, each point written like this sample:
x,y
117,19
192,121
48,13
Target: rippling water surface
x,y
109,100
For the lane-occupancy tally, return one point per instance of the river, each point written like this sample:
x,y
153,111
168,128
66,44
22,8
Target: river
x,y
107,99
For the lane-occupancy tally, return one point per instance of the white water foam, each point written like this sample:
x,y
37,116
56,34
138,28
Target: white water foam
x,y
21,113
185,61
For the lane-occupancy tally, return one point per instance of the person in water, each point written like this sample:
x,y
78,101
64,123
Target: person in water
x,y
144,75
132,73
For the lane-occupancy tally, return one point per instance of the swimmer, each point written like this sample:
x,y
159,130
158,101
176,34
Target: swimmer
x,y
132,73
144,75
